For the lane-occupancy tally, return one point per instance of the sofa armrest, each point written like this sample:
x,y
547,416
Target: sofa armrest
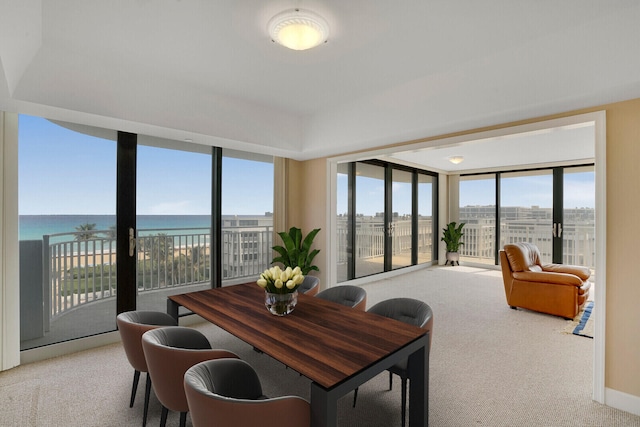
x,y
582,272
548,277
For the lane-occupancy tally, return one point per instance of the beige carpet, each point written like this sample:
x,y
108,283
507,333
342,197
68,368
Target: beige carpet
x,y
490,366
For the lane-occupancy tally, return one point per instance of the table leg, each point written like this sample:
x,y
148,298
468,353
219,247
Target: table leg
x,y
418,367
324,407
172,308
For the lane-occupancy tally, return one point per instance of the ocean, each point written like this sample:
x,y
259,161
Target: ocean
x,y
33,227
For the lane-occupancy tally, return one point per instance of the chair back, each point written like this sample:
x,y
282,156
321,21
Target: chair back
x,y
169,352
349,295
132,325
523,256
407,310
227,393
310,285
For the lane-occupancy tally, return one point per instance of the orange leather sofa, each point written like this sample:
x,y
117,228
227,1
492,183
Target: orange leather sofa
x,y
556,289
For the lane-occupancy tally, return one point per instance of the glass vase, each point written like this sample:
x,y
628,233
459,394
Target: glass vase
x,y
280,304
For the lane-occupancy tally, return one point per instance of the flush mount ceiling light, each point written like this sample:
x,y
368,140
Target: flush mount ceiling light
x,y
298,29
456,160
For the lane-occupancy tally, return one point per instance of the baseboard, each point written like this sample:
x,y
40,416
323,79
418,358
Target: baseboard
x,y
80,344
623,401
67,347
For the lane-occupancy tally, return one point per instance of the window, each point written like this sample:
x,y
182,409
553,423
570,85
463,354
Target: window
x,y
384,218
67,201
478,212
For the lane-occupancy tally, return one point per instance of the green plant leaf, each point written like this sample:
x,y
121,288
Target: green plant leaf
x,y
288,241
295,252
306,244
296,236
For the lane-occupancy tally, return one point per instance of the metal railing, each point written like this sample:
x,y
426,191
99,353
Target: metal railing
x,y
81,270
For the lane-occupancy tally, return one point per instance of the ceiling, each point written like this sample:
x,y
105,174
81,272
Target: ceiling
x,y
206,71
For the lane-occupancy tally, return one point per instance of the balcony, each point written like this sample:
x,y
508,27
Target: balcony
x,y
68,281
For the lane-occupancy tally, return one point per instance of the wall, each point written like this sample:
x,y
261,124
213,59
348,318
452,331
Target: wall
x,y
9,275
307,186
622,349
622,345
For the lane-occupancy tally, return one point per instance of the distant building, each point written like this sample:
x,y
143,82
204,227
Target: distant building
x,y
533,225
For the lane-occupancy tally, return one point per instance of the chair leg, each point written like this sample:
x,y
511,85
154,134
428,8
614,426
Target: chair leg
x,y
404,400
134,388
183,419
355,396
147,393
390,381
163,416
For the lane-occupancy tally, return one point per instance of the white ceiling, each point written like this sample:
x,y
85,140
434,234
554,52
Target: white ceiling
x,y
390,71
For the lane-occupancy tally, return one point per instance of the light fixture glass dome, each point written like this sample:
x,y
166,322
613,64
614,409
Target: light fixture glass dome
x,y
456,160
298,29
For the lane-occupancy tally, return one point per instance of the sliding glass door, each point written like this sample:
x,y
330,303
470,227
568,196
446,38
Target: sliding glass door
x,y
577,230
401,227
173,221
551,208
112,221
370,228
385,218
67,206
478,212
526,210
426,203
246,215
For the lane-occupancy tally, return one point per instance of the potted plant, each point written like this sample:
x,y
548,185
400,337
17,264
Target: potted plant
x,y
296,251
451,236
281,285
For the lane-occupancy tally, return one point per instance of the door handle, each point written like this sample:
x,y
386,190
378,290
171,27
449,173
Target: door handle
x,y
557,229
132,241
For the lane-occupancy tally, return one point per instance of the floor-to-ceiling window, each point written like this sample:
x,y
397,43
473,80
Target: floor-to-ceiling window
x,y
71,182
67,205
247,214
384,218
343,245
173,217
427,202
402,218
578,225
370,229
526,210
552,208
477,195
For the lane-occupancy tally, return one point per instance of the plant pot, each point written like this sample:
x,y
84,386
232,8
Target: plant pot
x,y
280,304
453,258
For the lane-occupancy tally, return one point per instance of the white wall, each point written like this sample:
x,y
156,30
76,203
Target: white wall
x,y
9,272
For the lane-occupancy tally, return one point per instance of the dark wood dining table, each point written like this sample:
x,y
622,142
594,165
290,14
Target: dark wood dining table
x,y
337,347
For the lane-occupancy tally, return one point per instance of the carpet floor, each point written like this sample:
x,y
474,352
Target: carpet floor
x,y
489,366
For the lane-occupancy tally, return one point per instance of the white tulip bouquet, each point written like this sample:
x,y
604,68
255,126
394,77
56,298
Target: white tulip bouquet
x,y
278,281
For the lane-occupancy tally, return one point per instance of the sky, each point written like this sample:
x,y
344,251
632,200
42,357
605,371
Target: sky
x,y
65,172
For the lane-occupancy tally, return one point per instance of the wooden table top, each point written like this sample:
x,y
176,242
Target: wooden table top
x,y
324,341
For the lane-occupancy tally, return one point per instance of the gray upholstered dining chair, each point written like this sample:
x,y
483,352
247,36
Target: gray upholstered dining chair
x,y
228,393
310,286
349,295
169,352
132,325
410,311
